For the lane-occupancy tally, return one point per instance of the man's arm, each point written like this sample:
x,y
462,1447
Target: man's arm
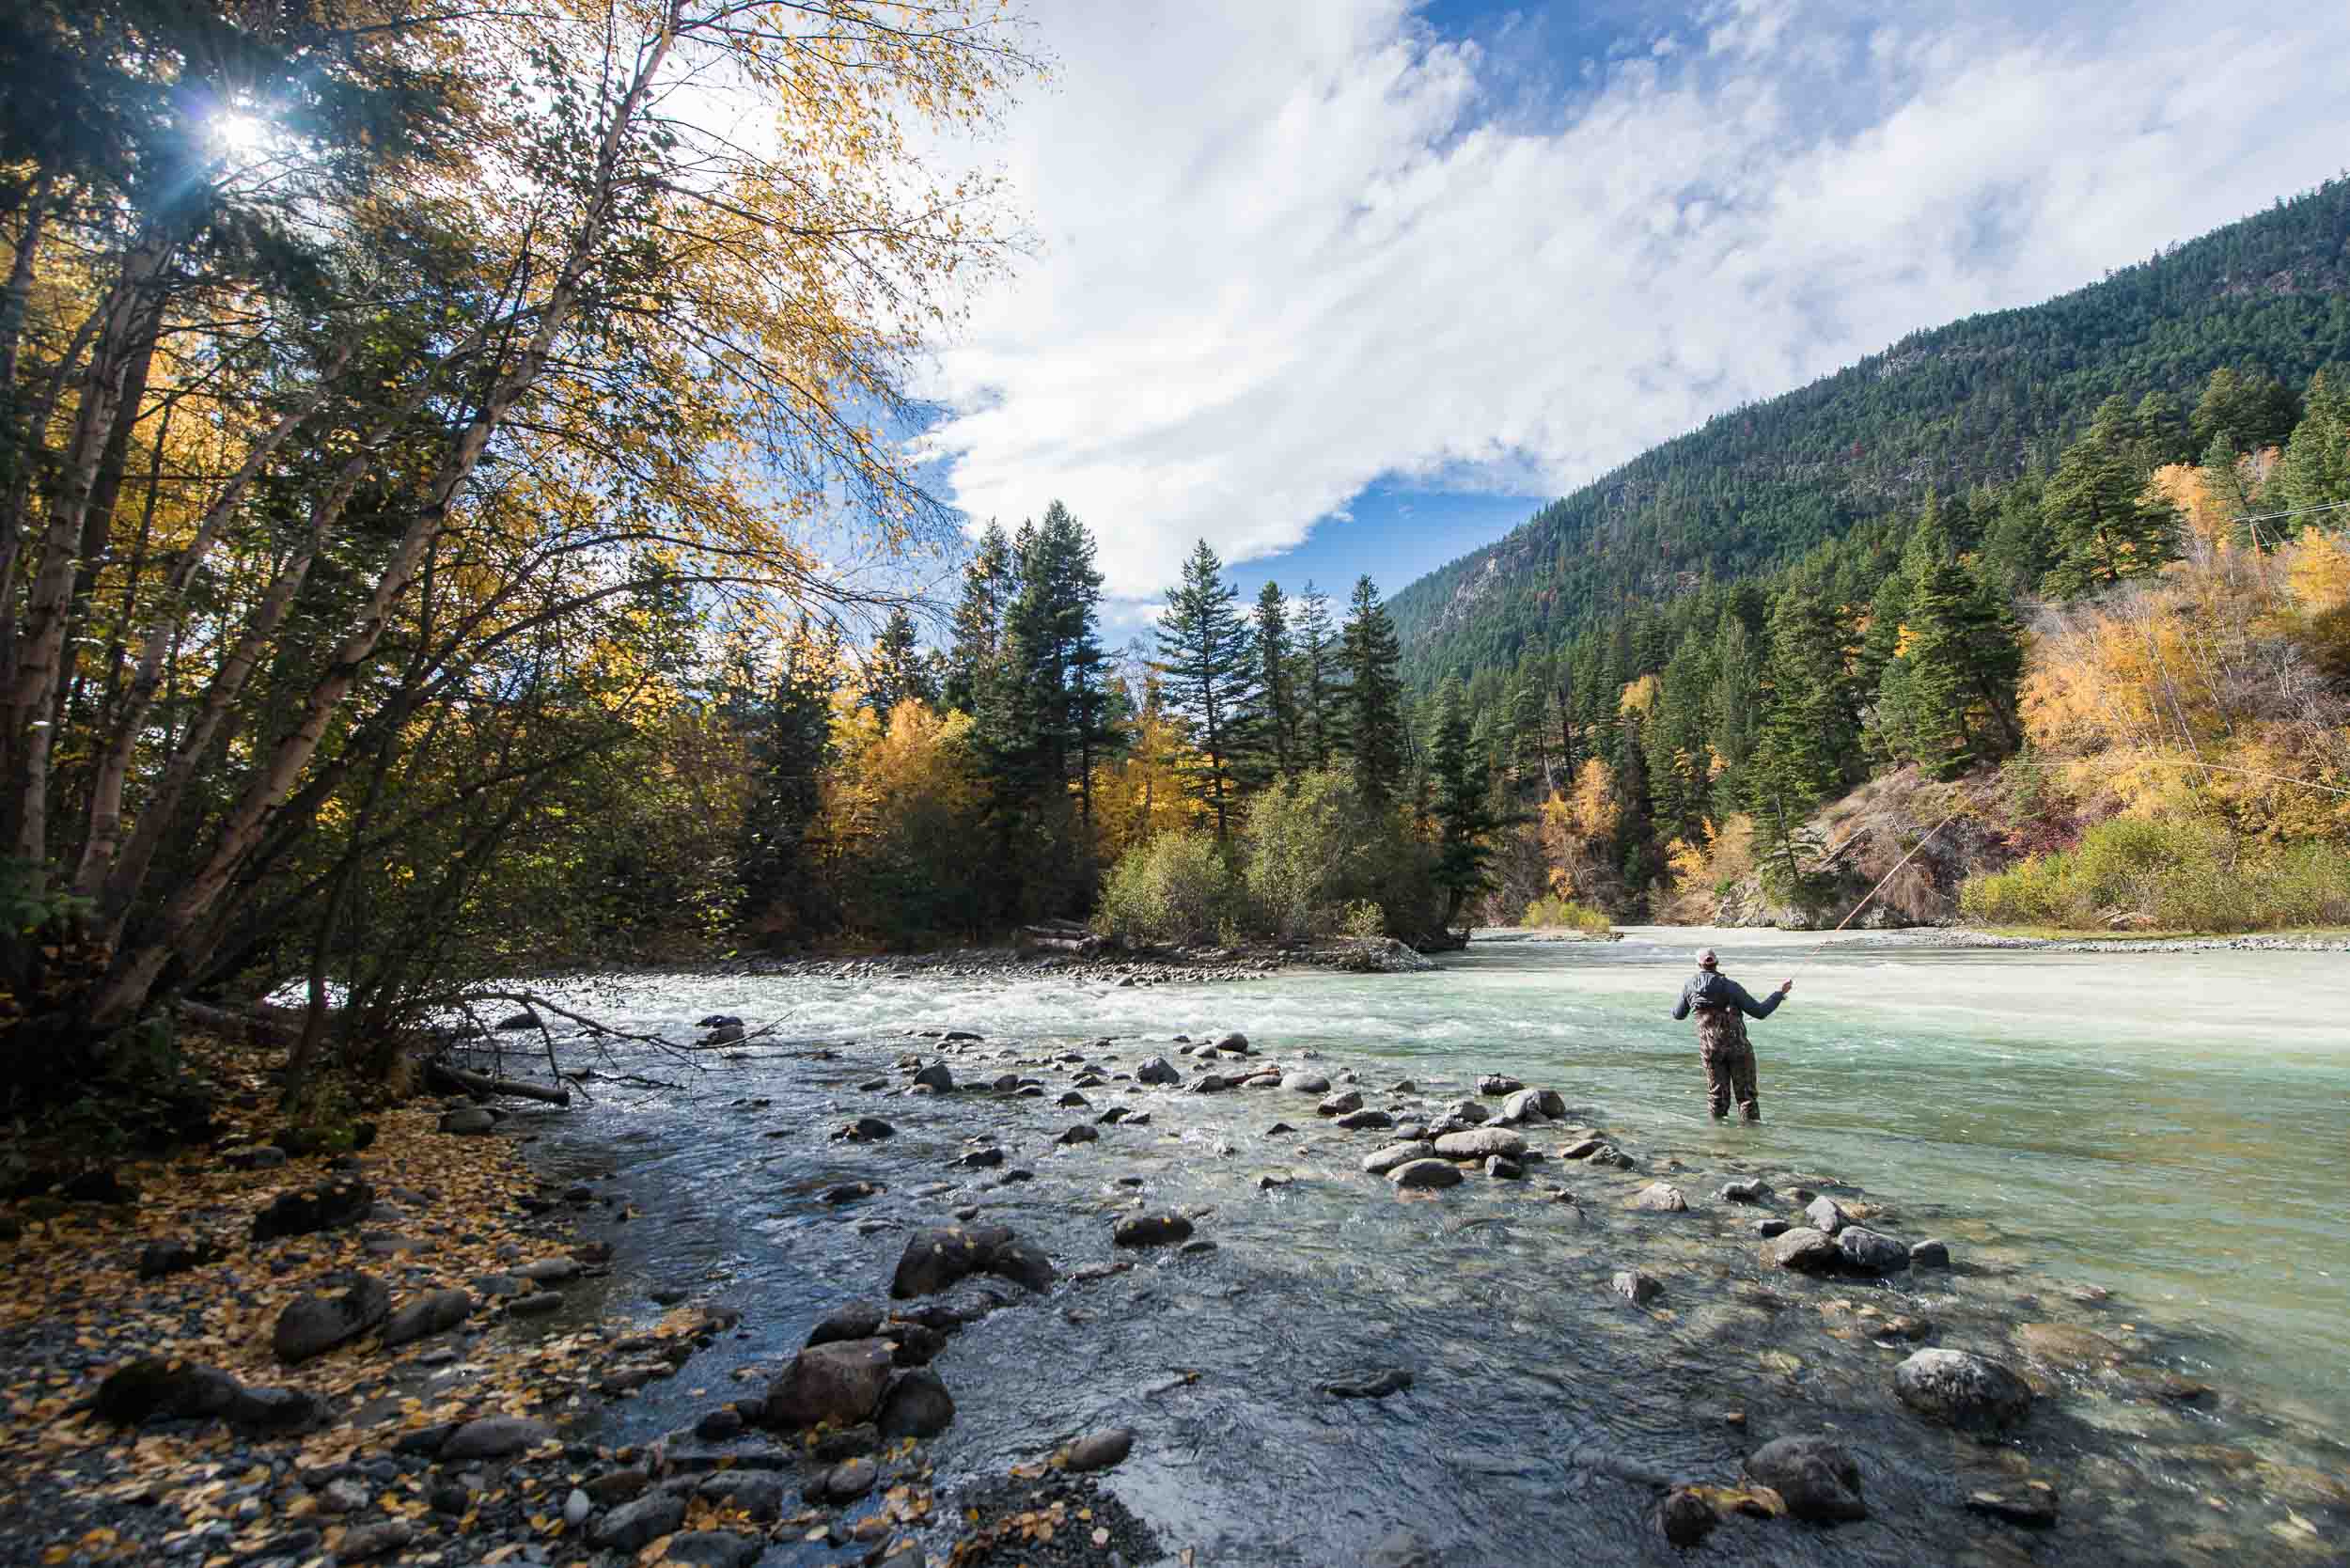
x,y
1681,1008
1753,1008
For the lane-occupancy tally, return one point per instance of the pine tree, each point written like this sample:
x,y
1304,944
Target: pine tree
x,y
1809,742
1321,723
1530,733
988,586
2316,467
1371,658
895,668
1208,670
1463,808
789,747
2101,529
1277,658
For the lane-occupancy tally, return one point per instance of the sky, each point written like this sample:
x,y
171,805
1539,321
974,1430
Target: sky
x,y
1348,285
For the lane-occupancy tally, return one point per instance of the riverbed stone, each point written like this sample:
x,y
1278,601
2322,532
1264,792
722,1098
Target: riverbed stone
x,y
1158,1069
1659,1198
1099,1450
1524,1105
1305,1083
1753,1191
1929,1254
1826,1215
935,1259
632,1526
1871,1251
755,1493
1366,1121
1816,1476
937,1075
1480,1143
1500,1169
712,1548
1498,1083
1425,1173
981,1159
841,1383
1804,1250
1151,1231
915,1404
856,1320
1636,1287
1082,1132
1377,1386
494,1437
1380,1162
366,1543
311,1209
2029,1503
1963,1389
468,1120
1473,1111
2066,1348
314,1324
1341,1103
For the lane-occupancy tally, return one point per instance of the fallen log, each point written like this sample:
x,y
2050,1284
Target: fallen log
x,y
445,1075
255,1028
1086,946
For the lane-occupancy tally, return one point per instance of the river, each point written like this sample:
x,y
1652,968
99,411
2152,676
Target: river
x,y
2147,1147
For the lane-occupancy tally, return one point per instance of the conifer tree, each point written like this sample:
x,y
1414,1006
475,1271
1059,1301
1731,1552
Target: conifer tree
x,y
1277,659
1531,732
895,668
2316,467
1808,742
988,586
1321,722
1462,808
789,747
1209,671
1374,698
2101,529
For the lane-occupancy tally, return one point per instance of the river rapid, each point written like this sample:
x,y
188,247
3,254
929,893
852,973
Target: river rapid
x,y
2150,1149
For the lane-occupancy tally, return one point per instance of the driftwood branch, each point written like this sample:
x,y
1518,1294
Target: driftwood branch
x,y
478,1083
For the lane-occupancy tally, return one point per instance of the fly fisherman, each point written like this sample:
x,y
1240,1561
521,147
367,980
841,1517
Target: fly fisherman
x,y
1722,1034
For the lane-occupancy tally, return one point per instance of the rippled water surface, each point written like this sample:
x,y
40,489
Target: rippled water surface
x,y
2151,1147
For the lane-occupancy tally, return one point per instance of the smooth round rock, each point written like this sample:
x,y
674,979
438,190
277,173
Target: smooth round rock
x,y
1963,1389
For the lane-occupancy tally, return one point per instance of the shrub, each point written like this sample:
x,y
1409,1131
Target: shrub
x,y
1363,920
2170,873
1302,846
1557,911
1177,887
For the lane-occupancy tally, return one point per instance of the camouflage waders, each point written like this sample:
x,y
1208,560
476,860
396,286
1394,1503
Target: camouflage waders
x,y
1729,1059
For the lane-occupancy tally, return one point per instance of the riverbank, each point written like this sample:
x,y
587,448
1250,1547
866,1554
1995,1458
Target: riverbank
x,y
2017,941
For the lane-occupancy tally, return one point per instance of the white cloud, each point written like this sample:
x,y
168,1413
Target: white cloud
x,y
1293,247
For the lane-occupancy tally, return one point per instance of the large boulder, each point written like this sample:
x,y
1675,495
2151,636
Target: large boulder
x,y
314,1324
841,1382
1480,1143
1872,1252
1305,1083
157,1389
1963,1389
1804,1250
1817,1479
915,1404
435,1312
325,1208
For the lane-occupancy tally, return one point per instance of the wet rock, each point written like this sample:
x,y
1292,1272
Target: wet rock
x,y
1151,1231
1305,1083
935,1259
850,1192
495,1437
1659,1198
2030,1503
1404,1548
844,1482
632,1526
865,1129
716,1021
1111,1117
1815,1477
1754,1191
1099,1450
1366,1121
1826,1215
982,1159
1480,1143
615,1488
1550,1102
1081,1133
1473,1111
848,1442
1687,1518
1137,1119
758,1494
1341,1104
1403,1086
1425,1173
536,1304
1379,1385
1006,1082
160,1388
2066,1348
1767,1229
1022,1263
174,1255
841,1383
937,1075
1636,1287
721,1425
1498,1083
1270,1179
1235,1042
1871,1252
712,1548
1380,1162
1158,1069
327,1208
1500,1170
1071,1101
1805,1250
1524,1105
314,1324
915,1404
724,1034
468,1120
1211,1083
366,1543
1965,1390
1929,1254
435,1312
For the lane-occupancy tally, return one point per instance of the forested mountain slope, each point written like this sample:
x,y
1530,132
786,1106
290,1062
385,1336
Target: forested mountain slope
x,y
1983,399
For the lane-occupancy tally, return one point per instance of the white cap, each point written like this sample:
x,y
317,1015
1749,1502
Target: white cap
x,y
1705,958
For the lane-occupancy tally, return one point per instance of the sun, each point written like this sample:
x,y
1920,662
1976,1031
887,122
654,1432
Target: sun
x,y
237,135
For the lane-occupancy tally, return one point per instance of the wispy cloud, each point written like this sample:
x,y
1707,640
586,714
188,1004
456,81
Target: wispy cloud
x,y
1293,249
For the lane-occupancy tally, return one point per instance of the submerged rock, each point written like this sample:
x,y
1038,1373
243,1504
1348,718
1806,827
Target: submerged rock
x,y
1380,1162
1659,1198
2066,1348
1366,1121
1151,1231
839,1382
2030,1503
1965,1390
1871,1252
1305,1083
1099,1450
1805,1250
1393,1381
1425,1172
1929,1254
1636,1287
915,1404
1480,1143
1158,1069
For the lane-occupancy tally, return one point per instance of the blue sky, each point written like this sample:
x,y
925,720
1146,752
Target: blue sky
x,y
1358,285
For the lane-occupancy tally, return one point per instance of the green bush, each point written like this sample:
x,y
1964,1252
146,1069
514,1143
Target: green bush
x,y
2172,875
1363,920
1556,911
1301,849
1177,887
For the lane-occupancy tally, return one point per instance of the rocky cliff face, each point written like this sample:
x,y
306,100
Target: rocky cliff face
x,y
1866,836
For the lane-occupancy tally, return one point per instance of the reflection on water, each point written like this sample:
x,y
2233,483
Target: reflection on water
x,y
2072,1125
